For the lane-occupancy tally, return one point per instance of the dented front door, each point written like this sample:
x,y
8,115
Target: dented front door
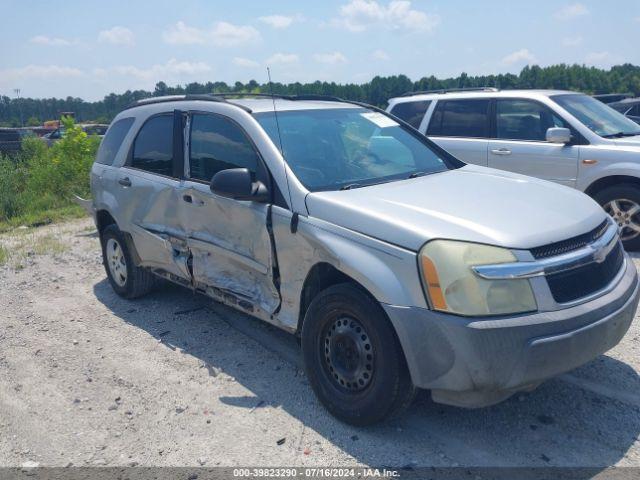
x,y
230,246
228,239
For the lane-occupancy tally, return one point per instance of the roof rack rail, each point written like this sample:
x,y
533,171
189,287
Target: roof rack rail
x,y
301,97
452,90
304,97
222,97
183,98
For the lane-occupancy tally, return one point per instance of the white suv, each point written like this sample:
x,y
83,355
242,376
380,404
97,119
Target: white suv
x,y
565,137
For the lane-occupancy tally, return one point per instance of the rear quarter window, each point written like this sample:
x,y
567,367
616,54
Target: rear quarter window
x,y
113,140
411,112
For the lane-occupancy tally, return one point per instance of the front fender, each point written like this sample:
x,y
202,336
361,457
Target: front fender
x,y
388,272
384,272
624,163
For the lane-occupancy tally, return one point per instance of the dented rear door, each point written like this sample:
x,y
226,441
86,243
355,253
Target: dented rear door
x,y
148,198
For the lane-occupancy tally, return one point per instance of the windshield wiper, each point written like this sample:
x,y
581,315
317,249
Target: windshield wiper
x,y
418,174
350,186
621,134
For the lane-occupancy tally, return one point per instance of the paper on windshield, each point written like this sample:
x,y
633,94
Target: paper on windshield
x,y
379,119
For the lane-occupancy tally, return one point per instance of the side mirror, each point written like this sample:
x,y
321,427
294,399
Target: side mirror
x,y
558,135
237,183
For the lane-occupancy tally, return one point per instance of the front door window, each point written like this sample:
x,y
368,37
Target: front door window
x,y
518,119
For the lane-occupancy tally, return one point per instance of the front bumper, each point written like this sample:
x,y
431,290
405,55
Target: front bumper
x,y
475,362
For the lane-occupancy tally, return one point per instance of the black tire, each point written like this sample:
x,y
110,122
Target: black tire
x,y
329,330
625,193
133,281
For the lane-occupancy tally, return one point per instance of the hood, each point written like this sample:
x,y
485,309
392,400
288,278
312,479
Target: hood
x,y
628,141
471,203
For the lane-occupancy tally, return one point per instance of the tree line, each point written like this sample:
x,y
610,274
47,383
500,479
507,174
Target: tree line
x,y
619,79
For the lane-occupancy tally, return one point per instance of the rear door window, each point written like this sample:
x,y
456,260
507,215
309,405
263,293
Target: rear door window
x,y
411,112
460,118
113,140
153,147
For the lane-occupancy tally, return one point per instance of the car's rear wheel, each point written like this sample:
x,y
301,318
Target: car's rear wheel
x,y
622,202
352,356
126,279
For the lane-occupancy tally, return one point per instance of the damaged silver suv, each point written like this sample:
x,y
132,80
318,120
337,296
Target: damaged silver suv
x,y
399,266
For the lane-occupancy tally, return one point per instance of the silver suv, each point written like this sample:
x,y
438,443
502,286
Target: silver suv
x,y
397,265
561,136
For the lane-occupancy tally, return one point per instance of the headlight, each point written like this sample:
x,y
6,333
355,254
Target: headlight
x,y
454,288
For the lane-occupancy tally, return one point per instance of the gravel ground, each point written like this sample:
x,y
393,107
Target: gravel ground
x,y
87,378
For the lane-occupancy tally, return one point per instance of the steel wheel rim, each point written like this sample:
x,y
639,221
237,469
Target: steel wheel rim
x,y
117,262
625,213
348,354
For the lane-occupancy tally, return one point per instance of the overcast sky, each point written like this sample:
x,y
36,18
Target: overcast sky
x,y
91,48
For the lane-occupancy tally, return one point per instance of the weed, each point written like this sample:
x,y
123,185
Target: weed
x,y
36,188
4,255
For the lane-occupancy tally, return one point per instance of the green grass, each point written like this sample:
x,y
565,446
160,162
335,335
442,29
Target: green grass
x,y
38,218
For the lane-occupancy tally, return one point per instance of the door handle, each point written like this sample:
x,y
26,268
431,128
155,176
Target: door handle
x,y
501,151
125,182
187,198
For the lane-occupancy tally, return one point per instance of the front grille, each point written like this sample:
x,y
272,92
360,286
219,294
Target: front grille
x,y
564,246
583,281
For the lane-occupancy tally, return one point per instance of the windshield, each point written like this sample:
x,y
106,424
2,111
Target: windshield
x,y
600,118
333,149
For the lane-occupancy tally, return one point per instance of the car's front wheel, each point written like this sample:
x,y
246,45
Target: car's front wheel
x,y
622,202
353,359
126,279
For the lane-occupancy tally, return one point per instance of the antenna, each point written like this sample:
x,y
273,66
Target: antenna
x,y
17,92
275,115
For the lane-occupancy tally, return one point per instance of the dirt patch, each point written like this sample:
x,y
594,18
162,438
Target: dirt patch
x,y
21,243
